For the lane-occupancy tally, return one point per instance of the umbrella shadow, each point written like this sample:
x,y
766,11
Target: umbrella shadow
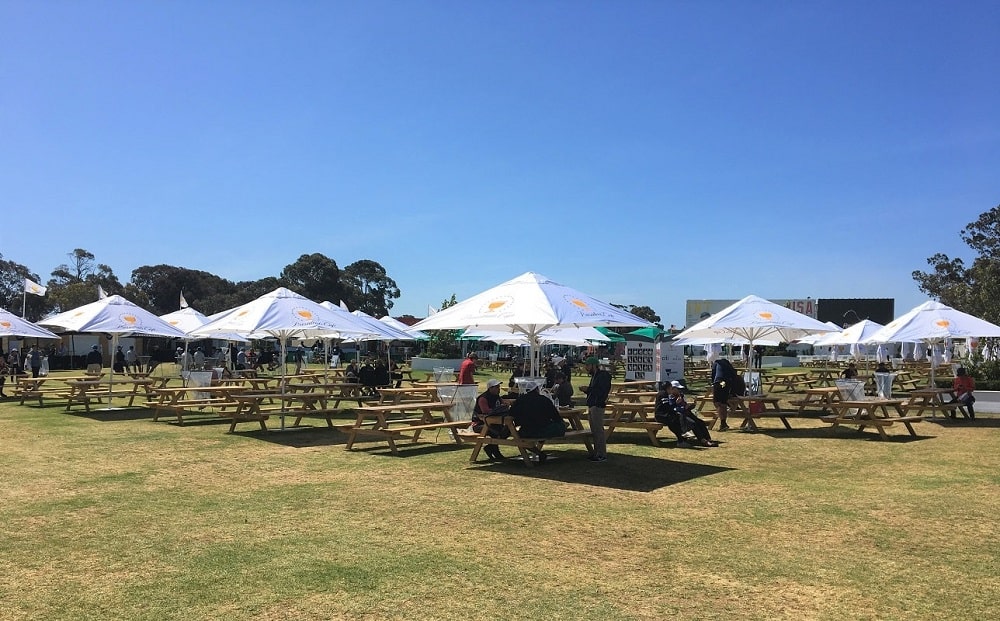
x,y
840,433
303,436
945,422
113,414
633,473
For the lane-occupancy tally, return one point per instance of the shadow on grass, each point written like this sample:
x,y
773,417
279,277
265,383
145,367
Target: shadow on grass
x,y
303,436
842,433
114,414
635,473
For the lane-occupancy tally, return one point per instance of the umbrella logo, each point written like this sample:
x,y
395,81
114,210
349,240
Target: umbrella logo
x,y
765,315
578,303
130,319
944,323
303,313
5,324
495,305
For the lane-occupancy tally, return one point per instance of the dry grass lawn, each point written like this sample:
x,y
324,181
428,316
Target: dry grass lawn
x,y
112,516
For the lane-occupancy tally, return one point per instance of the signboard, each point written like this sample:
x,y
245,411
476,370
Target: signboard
x,y
640,360
671,361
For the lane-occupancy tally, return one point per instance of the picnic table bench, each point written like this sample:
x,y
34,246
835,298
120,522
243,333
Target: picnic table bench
x,y
633,415
391,421
575,433
871,413
818,397
769,407
789,382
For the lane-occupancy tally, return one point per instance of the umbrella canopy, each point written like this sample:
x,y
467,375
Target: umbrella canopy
x,y
933,322
399,325
755,319
859,333
112,315
11,325
529,304
610,335
283,314
188,320
812,339
582,336
650,332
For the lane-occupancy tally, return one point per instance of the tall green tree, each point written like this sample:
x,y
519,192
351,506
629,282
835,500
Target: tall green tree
x,y
76,283
369,288
644,312
445,343
314,276
159,287
974,289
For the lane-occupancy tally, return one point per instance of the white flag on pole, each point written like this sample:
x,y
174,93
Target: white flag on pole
x,y
33,287
184,303
343,305
100,293
431,310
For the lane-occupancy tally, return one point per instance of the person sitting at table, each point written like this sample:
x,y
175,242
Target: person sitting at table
x,y
490,403
550,374
537,417
351,372
395,374
676,413
518,371
563,390
850,372
963,385
882,368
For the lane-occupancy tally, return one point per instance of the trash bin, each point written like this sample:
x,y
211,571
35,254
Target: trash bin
x,y
462,400
883,384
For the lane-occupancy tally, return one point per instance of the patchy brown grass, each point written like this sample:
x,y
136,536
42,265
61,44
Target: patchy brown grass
x,y
126,518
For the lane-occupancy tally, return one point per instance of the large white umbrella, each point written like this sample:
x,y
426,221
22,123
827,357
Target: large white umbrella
x,y
932,323
112,315
856,336
13,326
755,320
188,320
399,325
281,314
581,336
529,304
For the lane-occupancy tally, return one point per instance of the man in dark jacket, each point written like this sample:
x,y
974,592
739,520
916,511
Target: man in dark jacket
x,y
536,416
597,399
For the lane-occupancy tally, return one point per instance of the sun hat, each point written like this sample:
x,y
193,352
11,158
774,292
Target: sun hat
x,y
678,385
592,360
492,383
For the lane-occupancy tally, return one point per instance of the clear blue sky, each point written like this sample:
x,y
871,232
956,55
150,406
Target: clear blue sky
x,y
643,152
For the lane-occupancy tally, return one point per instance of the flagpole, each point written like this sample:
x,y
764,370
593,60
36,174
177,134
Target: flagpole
x,y
24,301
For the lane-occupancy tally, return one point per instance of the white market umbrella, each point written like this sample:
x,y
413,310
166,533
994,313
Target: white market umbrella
x,y
856,336
281,314
932,323
13,326
580,337
188,320
399,325
756,320
529,304
112,315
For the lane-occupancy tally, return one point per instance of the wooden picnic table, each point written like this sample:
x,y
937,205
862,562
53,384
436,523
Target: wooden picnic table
x,y
933,399
86,390
634,415
789,381
412,393
818,397
250,407
526,446
875,413
824,376
620,387
389,422
182,400
769,407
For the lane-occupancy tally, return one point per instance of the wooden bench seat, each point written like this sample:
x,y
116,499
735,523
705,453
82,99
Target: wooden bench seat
x,y
524,445
650,427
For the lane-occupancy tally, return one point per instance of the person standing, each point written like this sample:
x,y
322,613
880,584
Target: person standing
x,y
723,375
597,399
466,372
132,361
35,361
95,361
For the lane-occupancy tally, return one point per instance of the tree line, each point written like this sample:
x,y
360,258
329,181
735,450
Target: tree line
x,y
363,285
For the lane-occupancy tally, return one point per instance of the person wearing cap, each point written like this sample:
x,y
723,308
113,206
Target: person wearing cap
x,y
487,404
597,399
674,411
468,368
536,416
95,361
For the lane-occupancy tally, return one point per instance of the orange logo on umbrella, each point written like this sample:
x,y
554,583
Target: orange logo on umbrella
x,y
765,315
579,303
944,323
130,319
492,306
303,313
5,324
242,313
